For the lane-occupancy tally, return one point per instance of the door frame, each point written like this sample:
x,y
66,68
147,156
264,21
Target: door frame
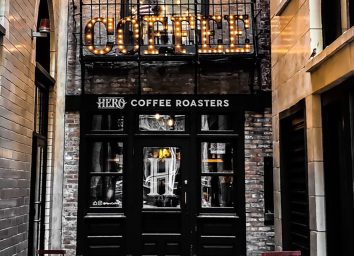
x,y
135,193
131,134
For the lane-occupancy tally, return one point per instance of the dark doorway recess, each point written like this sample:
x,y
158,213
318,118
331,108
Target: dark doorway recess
x,y
338,139
43,83
294,192
161,182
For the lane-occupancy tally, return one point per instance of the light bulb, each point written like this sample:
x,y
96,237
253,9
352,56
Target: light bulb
x,y
170,121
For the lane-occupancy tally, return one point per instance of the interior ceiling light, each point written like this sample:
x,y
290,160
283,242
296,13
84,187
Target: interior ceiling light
x,y
171,121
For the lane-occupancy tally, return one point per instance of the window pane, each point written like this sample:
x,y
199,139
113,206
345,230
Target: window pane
x,y
107,157
217,157
106,191
161,177
40,115
217,191
107,122
159,122
216,123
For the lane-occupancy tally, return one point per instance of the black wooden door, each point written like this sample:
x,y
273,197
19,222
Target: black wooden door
x,y
295,202
38,179
175,192
182,205
161,210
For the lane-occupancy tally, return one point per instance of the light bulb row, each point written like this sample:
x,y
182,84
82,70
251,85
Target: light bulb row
x,y
89,35
234,33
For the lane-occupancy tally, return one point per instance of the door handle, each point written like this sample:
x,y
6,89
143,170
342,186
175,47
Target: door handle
x,y
185,193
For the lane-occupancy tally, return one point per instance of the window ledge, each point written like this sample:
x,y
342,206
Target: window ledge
x,y
281,7
2,30
346,38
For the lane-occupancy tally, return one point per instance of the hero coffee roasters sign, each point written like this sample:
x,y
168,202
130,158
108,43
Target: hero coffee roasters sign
x,y
122,103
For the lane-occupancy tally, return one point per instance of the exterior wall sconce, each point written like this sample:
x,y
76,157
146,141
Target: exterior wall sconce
x,y
44,29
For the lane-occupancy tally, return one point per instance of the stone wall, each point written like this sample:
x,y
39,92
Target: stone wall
x,y
291,83
16,123
258,144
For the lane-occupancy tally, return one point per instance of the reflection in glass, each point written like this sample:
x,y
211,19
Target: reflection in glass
x,y
107,157
161,177
159,122
217,157
217,191
106,191
216,123
107,122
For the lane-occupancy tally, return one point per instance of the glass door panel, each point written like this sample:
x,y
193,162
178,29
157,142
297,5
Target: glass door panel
x,y
106,171
162,225
217,174
161,177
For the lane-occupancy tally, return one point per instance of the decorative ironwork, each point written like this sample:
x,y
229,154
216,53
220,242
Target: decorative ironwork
x,y
167,27
169,47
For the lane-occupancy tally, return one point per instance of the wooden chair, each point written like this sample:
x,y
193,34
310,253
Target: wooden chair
x,y
48,252
283,253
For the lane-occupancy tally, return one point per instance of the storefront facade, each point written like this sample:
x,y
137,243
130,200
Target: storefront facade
x,y
159,153
165,178
135,127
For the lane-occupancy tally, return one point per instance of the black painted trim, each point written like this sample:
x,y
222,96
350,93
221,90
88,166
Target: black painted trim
x,y
2,30
43,76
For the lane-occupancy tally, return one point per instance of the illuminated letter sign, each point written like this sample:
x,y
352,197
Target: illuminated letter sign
x,y
237,25
121,27
151,20
90,35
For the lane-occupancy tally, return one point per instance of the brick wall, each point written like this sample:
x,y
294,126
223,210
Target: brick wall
x,y
16,124
258,144
71,175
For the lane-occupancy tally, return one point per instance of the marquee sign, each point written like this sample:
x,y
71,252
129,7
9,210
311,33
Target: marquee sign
x,y
233,22
167,27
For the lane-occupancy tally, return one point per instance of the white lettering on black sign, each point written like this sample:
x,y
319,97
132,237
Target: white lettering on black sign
x,y
120,103
111,103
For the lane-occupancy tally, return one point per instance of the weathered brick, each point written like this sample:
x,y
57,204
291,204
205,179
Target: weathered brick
x,y
260,238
